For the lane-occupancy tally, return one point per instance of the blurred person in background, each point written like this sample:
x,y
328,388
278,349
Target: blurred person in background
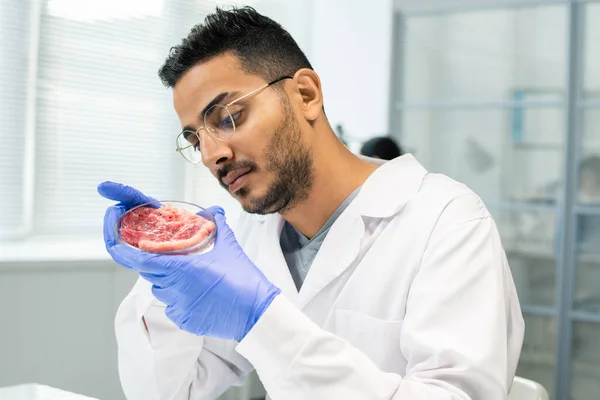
x,y
589,180
587,226
342,280
382,147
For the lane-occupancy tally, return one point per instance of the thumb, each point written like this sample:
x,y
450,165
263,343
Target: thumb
x,y
126,195
214,210
224,233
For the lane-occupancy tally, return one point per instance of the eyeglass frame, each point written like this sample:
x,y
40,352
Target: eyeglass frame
x,y
226,106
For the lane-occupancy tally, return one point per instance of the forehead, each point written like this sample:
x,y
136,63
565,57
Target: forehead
x,y
198,86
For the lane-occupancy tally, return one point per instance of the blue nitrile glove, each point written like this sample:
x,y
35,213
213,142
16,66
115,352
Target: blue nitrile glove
x,y
127,197
220,293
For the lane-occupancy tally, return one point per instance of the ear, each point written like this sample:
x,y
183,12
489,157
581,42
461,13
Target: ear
x,y
311,94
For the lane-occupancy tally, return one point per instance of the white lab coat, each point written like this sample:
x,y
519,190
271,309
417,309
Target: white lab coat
x,y
410,297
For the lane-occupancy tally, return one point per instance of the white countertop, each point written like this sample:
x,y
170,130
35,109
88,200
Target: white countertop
x,y
34,391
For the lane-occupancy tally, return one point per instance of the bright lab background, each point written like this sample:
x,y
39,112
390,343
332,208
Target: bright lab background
x,y
502,95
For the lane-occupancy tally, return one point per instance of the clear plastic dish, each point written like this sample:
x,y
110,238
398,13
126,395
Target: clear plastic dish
x,y
199,247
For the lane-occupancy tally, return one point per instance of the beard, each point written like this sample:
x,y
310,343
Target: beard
x,y
289,160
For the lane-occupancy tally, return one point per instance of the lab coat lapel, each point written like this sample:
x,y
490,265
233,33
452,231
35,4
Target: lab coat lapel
x,y
338,251
269,257
384,194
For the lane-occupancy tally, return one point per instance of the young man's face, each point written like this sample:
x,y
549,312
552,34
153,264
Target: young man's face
x,y
266,165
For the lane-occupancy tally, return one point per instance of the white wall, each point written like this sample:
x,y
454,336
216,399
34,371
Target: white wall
x,y
57,325
297,17
351,51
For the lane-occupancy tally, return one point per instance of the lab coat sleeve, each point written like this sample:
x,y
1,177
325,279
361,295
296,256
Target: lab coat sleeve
x,y
461,335
165,363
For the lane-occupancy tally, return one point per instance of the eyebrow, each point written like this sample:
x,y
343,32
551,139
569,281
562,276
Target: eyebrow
x,y
218,99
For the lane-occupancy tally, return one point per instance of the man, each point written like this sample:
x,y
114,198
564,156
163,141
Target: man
x,y
589,180
588,226
344,279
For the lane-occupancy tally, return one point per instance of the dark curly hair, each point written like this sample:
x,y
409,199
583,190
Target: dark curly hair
x,y
263,47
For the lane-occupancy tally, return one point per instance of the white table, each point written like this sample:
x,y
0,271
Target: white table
x,y
34,391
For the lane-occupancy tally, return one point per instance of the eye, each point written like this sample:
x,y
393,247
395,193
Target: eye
x,y
192,138
228,121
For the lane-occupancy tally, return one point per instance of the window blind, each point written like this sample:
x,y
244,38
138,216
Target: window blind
x,y
102,114
100,110
15,64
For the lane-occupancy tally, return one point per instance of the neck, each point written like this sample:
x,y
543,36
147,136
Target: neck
x,y
337,173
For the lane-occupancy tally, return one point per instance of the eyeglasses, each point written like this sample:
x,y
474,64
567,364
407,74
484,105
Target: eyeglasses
x,y
219,122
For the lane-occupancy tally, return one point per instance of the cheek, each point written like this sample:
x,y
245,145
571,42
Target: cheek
x,y
251,146
259,123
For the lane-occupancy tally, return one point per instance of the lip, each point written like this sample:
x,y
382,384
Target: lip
x,y
233,175
238,183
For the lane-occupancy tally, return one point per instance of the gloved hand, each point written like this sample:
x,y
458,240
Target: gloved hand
x,y
220,293
127,197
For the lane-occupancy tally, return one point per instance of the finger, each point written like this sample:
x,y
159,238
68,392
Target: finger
x,y
127,195
160,280
155,264
224,233
110,219
176,315
220,221
214,210
128,257
210,212
166,296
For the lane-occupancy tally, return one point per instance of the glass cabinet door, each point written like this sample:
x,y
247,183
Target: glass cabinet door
x,y
483,102
585,340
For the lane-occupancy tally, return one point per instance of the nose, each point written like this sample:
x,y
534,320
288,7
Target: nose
x,y
214,152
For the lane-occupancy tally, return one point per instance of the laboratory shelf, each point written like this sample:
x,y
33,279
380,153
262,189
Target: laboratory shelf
x,y
587,210
543,252
544,358
575,315
589,103
585,316
541,311
477,105
531,250
529,206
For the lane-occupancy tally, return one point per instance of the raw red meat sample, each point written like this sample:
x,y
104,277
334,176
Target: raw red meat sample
x,y
164,229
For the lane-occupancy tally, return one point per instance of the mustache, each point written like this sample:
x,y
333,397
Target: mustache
x,y
246,164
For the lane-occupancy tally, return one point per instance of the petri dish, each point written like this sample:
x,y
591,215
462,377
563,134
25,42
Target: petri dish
x,y
167,227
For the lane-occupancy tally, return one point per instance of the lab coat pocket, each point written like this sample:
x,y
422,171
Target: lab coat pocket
x,y
379,339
